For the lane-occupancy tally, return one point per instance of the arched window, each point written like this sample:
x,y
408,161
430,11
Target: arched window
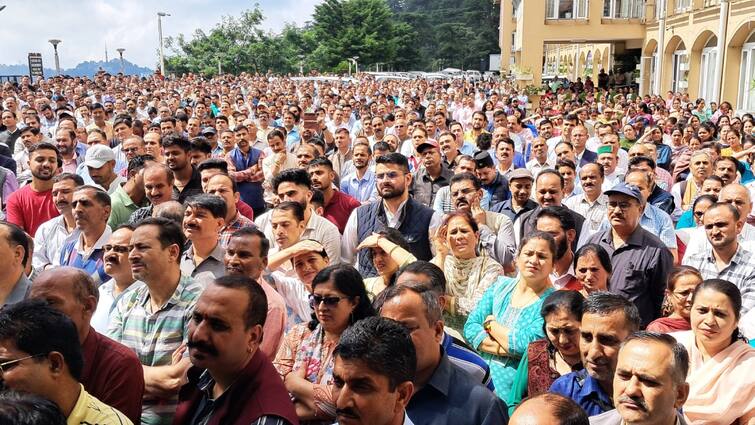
x,y
747,75
708,61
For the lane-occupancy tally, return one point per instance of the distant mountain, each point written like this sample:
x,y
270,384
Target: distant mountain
x,y
88,68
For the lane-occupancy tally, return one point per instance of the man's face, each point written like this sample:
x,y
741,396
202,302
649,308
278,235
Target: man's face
x,y
152,144
591,179
322,177
540,149
133,147
486,174
364,397
220,185
464,195
553,226
149,260
548,190
122,131
726,170
193,126
176,158
409,310
643,388
579,138
447,144
219,340
31,375
286,228
711,187
624,211
608,161
505,153
361,157
103,175
478,122
739,197
88,213
9,119
391,180
95,138
431,158
242,138
569,176
521,190
599,343
242,257
289,191
701,166
304,155
62,195
564,151
199,223
64,142
116,252
43,164
156,186
721,227
546,131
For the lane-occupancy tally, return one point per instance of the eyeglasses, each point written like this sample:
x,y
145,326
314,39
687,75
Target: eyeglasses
x,y
130,150
10,364
699,213
118,249
315,300
391,175
619,205
684,294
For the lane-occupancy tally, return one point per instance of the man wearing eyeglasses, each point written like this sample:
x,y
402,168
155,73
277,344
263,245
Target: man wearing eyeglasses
x,y
640,259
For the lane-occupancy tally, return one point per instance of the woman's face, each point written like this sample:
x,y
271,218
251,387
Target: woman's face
x,y
713,319
461,238
694,144
535,261
562,330
699,211
676,137
591,274
383,262
681,297
747,127
731,139
334,316
703,134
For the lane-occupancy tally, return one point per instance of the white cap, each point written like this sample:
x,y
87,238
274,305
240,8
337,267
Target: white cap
x,y
98,155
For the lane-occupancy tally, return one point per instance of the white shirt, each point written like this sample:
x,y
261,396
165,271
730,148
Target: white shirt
x,y
295,295
101,318
48,242
698,240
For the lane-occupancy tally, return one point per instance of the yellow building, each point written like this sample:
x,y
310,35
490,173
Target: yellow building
x,y
570,38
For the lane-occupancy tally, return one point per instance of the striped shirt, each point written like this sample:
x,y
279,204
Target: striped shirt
x,y
154,336
740,271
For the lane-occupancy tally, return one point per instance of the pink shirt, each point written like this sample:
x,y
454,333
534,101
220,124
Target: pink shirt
x,y
275,324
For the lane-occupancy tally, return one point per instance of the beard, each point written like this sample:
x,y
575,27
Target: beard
x,y
392,192
561,249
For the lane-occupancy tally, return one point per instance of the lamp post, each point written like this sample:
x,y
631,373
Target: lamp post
x,y
120,52
55,43
356,65
160,15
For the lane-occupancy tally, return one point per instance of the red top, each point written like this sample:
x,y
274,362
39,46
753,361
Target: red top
x,y
113,374
245,209
338,210
28,209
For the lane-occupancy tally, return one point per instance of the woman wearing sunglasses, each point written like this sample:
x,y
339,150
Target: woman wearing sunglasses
x,y
305,359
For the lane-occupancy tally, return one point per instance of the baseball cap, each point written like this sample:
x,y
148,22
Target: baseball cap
x,y
520,173
626,189
209,131
98,155
429,143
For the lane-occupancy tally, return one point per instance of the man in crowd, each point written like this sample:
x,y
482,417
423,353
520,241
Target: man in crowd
x,y
608,320
203,219
494,183
32,205
100,163
158,187
337,206
231,380
433,174
187,180
549,408
591,203
15,249
52,234
360,184
111,372
129,197
245,167
559,223
222,185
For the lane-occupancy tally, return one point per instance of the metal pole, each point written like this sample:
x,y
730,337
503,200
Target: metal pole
x,y
723,24
55,43
123,66
160,34
660,48
558,60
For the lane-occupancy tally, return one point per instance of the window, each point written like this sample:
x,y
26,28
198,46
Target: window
x,y
566,9
747,76
682,5
708,69
680,70
623,9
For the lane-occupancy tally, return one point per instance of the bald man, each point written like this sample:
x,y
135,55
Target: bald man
x,y
549,408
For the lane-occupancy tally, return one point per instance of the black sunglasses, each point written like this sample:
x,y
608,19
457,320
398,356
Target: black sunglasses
x,y
315,300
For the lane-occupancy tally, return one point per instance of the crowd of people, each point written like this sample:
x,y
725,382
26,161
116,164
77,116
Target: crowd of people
x,y
264,250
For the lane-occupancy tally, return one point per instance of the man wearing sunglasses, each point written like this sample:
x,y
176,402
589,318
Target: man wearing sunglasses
x,y
40,354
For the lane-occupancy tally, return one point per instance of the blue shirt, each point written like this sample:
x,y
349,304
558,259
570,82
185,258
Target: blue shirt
x,y
91,262
584,390
360,189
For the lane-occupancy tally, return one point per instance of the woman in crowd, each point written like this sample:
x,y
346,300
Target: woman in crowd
x,y
706,132
305,359
507,317
592,268
557,354
468,274
693,217
678,147
721,378
681,285
389,251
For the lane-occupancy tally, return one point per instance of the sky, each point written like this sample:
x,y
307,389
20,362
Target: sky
x,y
87,26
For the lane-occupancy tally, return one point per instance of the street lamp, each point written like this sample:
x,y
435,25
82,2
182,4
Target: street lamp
x,y
55,43
160,15
301,64
120,52
356,65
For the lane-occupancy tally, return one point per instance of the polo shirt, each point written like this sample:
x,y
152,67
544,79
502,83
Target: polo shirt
x,y
20,290
454,397
507,209
106,303
205,272
113,374
88,410
424,187
584,390
92,262
740,271
338,210
641,267
121,207
155,335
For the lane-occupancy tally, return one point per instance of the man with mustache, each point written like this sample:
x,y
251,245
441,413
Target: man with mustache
x,y
608,320
153,319
187,180
14,249
231,381
203,219
360,184
111,372
158,187
649,385
431,176
128,198
337,206
33,204
51,234
379,353
591,203
559,223
245,167
83,248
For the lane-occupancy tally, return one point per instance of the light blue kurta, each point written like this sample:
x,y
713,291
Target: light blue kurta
x,y
525,325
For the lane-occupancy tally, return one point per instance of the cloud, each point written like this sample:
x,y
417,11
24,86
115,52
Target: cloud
x,y
86,27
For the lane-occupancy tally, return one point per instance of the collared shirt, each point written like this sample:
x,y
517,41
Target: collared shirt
x,y
20,290
612,417
593,212
536,167
584,390
362,189
210,268
424,187
295,296
506,208
655,221
141,214
91,260
452,396
155,335
237,223
740,271
498,189
698,241
317,228
48,242
89,410
121,207
641,267
106,303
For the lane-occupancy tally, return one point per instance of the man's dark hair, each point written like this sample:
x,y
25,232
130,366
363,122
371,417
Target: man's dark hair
x,y
297,176
383,346
249,231
100,196
725,205
294,207
484,141
560,213
637,160
256,310
379,146
605,303
680,358
213,164
45,146
564,408
37,329
433,272
175,139
17,237
19,408
394,158
566,163
201,144
138,163
69,176
212,203
467,177
321,162
276,132
168,119
169,232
